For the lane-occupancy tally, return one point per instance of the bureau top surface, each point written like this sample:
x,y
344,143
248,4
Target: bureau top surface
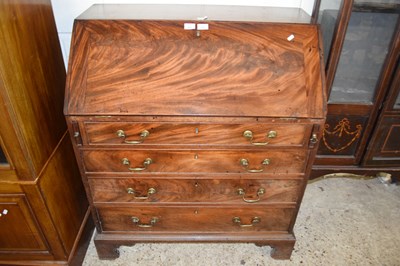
x,y
157,66
195,12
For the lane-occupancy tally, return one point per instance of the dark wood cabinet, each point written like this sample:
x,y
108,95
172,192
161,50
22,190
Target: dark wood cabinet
x,y
44,213
384,150
361,51
193,130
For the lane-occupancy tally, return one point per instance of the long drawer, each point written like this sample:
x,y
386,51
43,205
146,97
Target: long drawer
x,y
195,161
205,219
241,135
204,191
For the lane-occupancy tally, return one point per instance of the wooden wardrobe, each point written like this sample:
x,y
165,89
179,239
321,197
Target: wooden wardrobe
x,y
44,214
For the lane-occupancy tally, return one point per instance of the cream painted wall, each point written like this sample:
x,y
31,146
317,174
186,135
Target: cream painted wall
x,y
66,11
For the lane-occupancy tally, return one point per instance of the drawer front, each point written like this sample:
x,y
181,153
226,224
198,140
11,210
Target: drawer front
x,y
191,190
210,161
194,219
125,133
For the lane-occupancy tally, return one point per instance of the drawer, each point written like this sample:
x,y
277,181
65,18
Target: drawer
x,y
198,161
194,191
130,133
204,219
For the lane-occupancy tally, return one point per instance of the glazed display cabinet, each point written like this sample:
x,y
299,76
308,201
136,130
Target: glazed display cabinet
x,y
361,55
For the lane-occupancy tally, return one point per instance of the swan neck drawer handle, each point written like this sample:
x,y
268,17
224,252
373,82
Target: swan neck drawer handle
x,y
248,134
152,222
245,164
143,135
238,221
242,192
150,192
146,163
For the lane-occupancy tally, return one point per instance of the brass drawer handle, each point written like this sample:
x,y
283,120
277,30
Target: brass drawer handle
x,y
146,163
136,221
245,164
254,221
249,136
242,192
143,135
150,191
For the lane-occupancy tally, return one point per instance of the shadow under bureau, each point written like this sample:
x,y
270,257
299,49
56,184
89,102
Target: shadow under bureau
x,y
191,130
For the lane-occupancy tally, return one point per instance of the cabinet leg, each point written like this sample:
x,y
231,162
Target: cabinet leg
x,y
282,251
107,251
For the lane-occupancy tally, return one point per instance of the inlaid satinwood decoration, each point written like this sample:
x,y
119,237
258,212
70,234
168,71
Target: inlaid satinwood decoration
x,y
341,130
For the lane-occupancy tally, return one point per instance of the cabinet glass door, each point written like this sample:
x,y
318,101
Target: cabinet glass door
x,y
327,17
367,41
397,102
358,37
3,159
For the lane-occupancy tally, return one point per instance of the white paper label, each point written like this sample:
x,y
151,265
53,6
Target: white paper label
x,y
290,38
202,26
189,26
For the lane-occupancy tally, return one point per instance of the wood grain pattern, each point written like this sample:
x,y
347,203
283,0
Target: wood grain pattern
x,y
33,95
149,57
194,219
40,186
208,161
18,227
68,189
196,134
208,191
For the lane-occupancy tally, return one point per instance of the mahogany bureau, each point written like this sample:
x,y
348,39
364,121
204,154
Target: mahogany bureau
x,y
194,123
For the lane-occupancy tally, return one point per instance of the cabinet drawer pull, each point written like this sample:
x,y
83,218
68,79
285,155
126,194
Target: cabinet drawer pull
x,y
242,192
249,136
150,191
136,221
254,221
146,163
143,135
245,164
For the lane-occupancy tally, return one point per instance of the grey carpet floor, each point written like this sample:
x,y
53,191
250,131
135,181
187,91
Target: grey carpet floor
x,y
341,221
